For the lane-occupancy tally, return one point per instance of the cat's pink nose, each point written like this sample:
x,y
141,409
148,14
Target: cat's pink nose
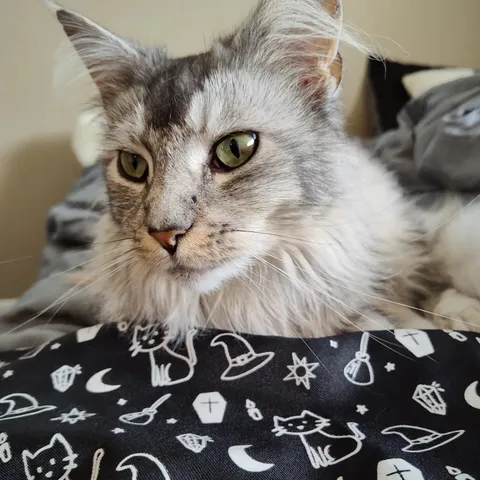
x,y
169,239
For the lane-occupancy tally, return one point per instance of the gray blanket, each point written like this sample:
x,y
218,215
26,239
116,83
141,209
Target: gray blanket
x,y
436,148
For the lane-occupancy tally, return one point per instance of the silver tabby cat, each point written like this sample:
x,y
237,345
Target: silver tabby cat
x,y
236,200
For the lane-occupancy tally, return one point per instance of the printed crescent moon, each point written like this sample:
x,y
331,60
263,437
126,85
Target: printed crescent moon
x,y
96,384
242,460
471,395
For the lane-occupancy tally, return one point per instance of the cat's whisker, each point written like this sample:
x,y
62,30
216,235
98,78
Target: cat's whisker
x,y
66,294
289,323
88,286
375,297
373,336
445,222
18,259
111,241
285,237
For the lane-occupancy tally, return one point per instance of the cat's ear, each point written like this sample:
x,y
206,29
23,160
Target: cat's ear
x,y
108,58
303,35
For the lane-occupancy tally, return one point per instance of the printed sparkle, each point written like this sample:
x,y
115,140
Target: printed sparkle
x,y
390,367
122,402
8,373
362,409
301,371
73,416
117,430
333,344
172,421
55,346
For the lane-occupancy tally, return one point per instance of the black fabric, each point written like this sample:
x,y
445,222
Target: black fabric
x,y
385,405
388,94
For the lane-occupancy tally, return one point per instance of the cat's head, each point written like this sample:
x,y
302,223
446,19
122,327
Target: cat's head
x,y
214,159
54,461
146,339
302,424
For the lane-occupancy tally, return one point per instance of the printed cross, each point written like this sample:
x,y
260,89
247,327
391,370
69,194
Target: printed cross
x,y
209,403
398,472
412,335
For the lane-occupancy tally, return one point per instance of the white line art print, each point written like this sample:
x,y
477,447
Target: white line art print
x,y
64,377
390,367
398,469
128,463
301,371
5,448
97,461
460,337
145,416
458,474
177,369
359,370
362,409
241,357
429,397
421,439
73,416
323,448
19,405
8,373
253,412
471,396
96,384
88,334
58,450
210,407
415,341
193,442
239,456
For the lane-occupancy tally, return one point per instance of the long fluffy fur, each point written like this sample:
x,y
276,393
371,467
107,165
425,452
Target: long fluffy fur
x,y
311,237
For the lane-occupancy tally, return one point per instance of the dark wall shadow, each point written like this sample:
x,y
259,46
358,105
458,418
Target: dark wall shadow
x,y
34,177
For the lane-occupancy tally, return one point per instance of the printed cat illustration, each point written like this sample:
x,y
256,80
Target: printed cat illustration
x,y
175,368
55,461
323,448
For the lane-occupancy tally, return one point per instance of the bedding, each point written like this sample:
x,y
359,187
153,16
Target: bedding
x,y
105,405
435,149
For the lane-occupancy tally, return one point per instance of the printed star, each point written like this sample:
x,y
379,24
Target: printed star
x,y
333,344
390,367
301,371
117,430
362,409
8,373
122,402
73,416
55,346
172,421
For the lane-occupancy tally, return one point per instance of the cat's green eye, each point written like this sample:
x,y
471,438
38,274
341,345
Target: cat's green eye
x,y
133,167
235,150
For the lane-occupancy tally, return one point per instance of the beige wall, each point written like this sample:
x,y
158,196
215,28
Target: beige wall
x,y
36,166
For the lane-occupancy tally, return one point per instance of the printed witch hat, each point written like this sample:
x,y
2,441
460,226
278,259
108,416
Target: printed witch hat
x,y
242,359
21,405
422,439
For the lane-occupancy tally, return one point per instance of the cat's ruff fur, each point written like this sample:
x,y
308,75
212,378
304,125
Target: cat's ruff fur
x,y
344,247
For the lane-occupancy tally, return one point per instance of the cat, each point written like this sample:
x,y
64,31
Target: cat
x,y
55,461
323,448
175,367
237,201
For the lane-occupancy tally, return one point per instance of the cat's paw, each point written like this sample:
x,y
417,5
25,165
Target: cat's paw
x,y
457,311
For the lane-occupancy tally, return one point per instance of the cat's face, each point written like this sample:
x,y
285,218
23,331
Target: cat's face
x,y
235,148
146,339
302,424
54,461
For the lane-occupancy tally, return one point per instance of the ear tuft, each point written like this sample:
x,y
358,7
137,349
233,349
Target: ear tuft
x,y
109,59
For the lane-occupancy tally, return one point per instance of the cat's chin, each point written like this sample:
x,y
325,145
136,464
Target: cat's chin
x,y
206,280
